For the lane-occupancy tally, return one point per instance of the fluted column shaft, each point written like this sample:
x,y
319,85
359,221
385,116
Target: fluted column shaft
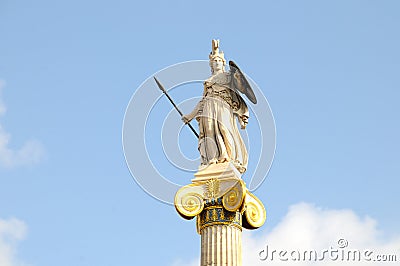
x,y
221,236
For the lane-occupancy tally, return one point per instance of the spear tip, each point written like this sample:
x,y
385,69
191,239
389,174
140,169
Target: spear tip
x,y
159,84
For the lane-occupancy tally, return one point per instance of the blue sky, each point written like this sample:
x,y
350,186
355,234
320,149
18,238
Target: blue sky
x,y
329,70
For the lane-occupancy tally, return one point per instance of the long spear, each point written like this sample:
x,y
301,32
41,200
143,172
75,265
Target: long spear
x,y
176,107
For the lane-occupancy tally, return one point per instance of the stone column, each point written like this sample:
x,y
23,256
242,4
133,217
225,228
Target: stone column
x,y
219,199
221,235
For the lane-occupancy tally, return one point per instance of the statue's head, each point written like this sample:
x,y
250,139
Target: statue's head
x,y
217,59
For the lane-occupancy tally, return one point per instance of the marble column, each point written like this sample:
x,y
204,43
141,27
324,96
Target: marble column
x,y
222,205
221,236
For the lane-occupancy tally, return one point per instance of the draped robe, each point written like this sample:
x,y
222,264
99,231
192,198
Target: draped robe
x,y
219,138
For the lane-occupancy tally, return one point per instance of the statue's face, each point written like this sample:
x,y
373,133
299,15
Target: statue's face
x,y
217,64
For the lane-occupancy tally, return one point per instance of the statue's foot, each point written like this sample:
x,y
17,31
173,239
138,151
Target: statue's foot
x,y
213,161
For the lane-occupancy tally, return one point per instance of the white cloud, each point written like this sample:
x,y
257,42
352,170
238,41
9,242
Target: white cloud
x,y
31,152
11,232
307,228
